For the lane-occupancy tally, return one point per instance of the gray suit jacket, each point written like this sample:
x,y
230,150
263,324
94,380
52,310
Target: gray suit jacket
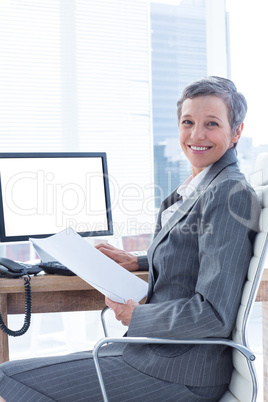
x,y
197,262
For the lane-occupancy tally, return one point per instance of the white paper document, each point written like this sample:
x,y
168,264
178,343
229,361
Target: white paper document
x,y
104,274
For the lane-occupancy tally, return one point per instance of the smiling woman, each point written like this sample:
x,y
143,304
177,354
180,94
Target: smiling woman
x,y
197,266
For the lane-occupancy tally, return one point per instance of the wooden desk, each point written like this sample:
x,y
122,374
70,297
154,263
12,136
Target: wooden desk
x,y
52,293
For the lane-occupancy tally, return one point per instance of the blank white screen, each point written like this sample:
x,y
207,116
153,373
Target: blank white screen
x,y
45,195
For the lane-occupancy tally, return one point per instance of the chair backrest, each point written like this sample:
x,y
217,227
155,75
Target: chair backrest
x,y
243,385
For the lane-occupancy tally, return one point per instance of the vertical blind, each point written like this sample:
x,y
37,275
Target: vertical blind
x,y
75,76
30,76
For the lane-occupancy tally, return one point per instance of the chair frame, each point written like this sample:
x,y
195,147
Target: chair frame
x,y
241,347
143,340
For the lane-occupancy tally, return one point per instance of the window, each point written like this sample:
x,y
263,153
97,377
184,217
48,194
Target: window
x,y
102,75
75,76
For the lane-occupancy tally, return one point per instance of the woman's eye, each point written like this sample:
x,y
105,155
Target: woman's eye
x,y
187,122
212,123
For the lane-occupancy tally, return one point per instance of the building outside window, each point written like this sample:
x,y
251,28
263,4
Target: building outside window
x,y
179,56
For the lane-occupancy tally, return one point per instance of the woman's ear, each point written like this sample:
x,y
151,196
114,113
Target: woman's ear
x,y
237,134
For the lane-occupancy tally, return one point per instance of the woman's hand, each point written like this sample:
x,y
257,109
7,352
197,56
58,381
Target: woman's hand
x,y
123,312
126,260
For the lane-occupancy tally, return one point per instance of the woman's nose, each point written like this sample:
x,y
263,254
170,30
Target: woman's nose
x,y
198,133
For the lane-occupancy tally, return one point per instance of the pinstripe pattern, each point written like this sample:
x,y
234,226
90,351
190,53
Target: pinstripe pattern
x,y
198,263
74,379
196,276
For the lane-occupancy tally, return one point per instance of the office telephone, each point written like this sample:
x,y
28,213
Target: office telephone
x,y
12,269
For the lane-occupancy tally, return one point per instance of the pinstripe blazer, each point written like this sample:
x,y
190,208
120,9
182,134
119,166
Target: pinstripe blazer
x,y
197,262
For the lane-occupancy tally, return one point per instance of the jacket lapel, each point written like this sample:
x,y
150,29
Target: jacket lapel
x,y
227,159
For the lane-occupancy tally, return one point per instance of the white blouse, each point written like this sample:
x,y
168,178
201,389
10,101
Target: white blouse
x,y
184,190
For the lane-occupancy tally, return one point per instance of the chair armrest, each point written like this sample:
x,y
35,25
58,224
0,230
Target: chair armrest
x,y
143,340
103,321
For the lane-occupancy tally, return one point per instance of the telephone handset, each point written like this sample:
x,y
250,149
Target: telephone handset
x,y
12,269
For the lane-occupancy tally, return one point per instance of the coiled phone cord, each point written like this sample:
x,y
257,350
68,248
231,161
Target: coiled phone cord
x,y
28,311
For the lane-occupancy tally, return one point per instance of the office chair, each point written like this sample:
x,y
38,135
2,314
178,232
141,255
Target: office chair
x,y
243,384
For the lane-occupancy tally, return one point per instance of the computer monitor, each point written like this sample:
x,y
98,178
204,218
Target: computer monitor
x,y
44,193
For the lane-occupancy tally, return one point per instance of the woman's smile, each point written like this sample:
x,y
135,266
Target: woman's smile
x,y
198,148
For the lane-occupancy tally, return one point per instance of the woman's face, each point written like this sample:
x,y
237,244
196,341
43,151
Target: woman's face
x,y
205,131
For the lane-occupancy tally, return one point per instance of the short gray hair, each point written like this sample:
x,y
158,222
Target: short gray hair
x,y
223,88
